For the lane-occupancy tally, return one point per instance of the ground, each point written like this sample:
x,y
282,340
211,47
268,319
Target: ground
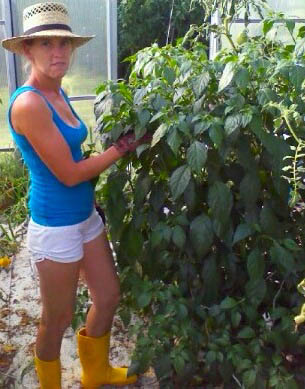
x,y
19,317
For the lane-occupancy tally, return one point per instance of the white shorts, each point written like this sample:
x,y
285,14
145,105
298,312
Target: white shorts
x,y
62,244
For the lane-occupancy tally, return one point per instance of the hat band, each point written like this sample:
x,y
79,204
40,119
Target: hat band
x,y
46,27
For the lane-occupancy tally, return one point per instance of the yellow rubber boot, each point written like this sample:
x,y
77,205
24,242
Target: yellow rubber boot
x,y
49,373
96,370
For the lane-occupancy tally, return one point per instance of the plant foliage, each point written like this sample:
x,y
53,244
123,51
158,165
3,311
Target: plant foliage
x,y
231,8
208,248
142,23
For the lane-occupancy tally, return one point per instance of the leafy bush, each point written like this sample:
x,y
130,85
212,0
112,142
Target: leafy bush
x,y
13,188
208,249
141,23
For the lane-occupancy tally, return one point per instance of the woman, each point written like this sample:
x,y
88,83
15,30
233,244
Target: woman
x,y
66,236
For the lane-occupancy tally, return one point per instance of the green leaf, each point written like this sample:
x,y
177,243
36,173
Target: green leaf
x,y
250,196
142,188
169,75
157,116
290,24
246,333
227,76
255,264
134,368
144,299
139,95
157,197
143,116
291,245
211,280
269,222
162,365
297,76
256,291
174,140
141,149
179,364
242,231
249,378
228,303
201,127
267,26
246,118
216,134
179,237
197,155
197,107
301,32
131,242
237,101
242,78
116,202
159,133
301,340
267,95
182,311
220,200
236,319
300,48
201,234
149,68
161,232
283,257
159,102
211,357
179,180
232,123
200,83
190,195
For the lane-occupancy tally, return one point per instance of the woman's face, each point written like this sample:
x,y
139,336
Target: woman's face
x,y
50,56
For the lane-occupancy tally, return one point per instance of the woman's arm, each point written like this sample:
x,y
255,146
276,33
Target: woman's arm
x,y
32,118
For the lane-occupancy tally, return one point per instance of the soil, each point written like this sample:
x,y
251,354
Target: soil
x,y
19,317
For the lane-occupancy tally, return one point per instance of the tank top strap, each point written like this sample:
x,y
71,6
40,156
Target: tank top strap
x,y
21,90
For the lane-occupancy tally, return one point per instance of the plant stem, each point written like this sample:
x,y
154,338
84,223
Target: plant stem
x,y
285,116
229,37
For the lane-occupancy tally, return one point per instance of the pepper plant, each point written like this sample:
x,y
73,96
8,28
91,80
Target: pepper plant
x,y
209,244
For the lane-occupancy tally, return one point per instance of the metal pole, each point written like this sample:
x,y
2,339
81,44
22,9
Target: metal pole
x,y
112,40
214,41
9,57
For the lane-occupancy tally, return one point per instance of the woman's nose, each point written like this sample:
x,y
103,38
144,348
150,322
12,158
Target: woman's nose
x,y
58,50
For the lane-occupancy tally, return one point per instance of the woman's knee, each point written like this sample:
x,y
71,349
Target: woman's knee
x,y
56,322
108,300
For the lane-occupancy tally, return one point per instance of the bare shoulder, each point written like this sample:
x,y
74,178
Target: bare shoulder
x,y
28,110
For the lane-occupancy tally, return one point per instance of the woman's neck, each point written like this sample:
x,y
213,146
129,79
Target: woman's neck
x,y
45,84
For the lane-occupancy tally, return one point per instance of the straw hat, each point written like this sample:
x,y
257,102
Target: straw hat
x,y
44,20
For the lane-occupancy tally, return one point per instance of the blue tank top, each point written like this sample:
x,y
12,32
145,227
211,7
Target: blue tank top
x,y
51,203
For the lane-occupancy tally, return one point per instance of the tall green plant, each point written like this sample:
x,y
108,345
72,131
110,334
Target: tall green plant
x,y
209,250
13,189
142,23
232,8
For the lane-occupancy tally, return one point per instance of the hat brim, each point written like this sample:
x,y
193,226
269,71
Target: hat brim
x,y
15,44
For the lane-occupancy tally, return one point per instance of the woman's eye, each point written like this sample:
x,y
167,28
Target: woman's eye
x,y
45,43
65,42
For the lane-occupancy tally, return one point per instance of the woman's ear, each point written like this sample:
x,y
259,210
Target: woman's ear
x,y
26,50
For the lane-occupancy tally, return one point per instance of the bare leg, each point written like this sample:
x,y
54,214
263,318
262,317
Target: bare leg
x,y
100,274
58,284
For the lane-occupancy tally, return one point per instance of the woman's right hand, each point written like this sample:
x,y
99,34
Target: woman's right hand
x,y
127,143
